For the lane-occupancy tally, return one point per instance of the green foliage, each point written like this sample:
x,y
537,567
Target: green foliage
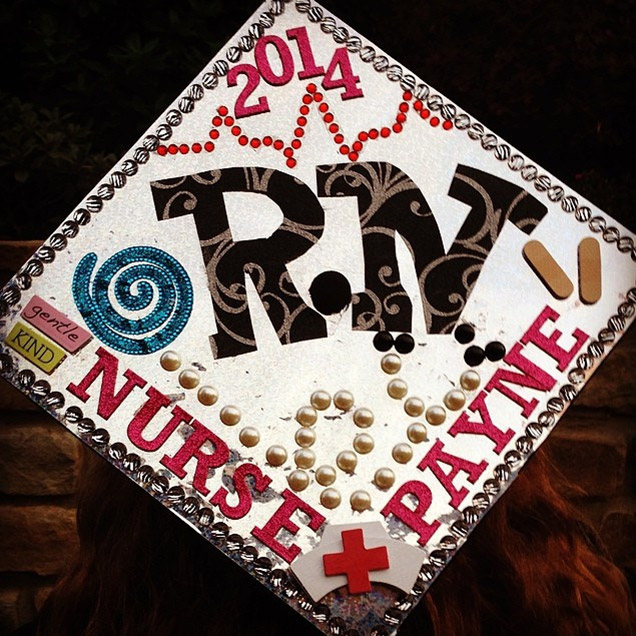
x,y
42,139
44,158
86,81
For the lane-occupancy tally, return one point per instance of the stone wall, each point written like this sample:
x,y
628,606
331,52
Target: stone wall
x,y
37,485
594,444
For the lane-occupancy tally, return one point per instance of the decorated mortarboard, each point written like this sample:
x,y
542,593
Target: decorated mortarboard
x,y
321,314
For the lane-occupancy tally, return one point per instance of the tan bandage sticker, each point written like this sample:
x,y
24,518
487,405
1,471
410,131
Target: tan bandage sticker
x,y
590,282
548,270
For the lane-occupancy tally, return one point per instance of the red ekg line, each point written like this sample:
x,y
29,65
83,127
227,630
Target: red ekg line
x,y
312,96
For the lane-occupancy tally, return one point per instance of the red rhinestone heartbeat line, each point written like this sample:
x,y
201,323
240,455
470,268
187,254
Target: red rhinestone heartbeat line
x,y
312,96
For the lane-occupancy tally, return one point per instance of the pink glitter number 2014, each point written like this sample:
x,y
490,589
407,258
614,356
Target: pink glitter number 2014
x,y
282,72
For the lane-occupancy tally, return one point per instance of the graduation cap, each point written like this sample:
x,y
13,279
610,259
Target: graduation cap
x,y
320,313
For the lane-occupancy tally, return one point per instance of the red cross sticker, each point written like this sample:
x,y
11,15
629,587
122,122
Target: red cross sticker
x,y
356,561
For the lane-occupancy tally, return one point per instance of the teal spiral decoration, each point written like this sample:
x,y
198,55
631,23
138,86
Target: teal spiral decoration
x,y
144,280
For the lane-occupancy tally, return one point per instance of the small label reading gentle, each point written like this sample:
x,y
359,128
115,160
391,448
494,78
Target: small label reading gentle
x,y
55,325
35,347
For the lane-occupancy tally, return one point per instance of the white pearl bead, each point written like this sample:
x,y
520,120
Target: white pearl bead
x,y
207,395
384,478
363,417
306,416
230,415
304,458
391,363
189,379
298,480
363,443
470,380
330,498
343,400
170,360
402,453
414,407
347,461
276,455
305,437
249,436
435,415
397,389
416,433
360,500
455,399
325,475
320,400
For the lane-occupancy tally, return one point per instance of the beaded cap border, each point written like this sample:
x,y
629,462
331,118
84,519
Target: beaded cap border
x,y
186,504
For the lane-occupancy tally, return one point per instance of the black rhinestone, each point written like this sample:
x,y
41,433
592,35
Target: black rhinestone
x,y
495,351
404,343
474,356
383,341
330,292
464,333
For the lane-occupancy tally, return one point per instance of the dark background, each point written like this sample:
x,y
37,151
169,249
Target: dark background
x,y
82,81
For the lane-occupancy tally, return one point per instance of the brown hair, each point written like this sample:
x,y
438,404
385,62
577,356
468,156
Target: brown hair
x,y
531,567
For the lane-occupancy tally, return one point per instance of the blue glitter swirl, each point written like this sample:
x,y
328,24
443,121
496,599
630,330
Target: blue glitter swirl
x,y
137,277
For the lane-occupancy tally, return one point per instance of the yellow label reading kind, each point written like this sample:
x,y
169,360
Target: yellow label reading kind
x,y
35,347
